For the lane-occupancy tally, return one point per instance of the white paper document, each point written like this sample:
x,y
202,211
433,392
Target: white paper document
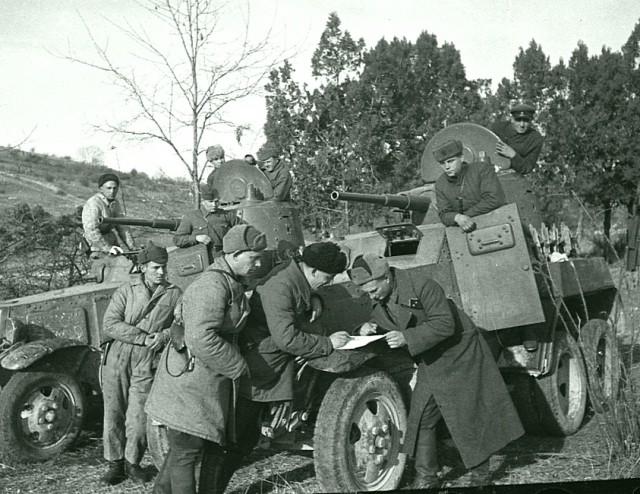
x,y
359,341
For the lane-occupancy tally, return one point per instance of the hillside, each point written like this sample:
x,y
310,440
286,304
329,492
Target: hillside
x,y
61,185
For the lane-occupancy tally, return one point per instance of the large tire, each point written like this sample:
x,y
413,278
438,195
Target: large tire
x,y
602,360
41,415
358,435
157,442
562,396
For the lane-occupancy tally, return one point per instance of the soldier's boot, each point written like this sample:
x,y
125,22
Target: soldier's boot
x,y
230,464
480,475
216,470
426,461
115,473
135,473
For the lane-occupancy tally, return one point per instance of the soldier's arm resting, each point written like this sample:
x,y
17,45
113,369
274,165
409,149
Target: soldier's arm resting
x,y
525,163
445,211
184,235
491,192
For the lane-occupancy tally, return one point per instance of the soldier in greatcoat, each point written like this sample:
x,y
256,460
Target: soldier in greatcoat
x,y
136,327
458,379
193,394
280,307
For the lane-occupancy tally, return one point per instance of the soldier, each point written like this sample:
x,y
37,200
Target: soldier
x,y
518,140
464,190
277,172
193,394
215,156
457,379
101,237
136,327
207,225
280,309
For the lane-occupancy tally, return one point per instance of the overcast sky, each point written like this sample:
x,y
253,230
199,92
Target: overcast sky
x,y
60,100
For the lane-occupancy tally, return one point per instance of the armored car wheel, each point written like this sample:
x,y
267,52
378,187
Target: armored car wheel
x,y
358,435
602,360
41,414
562,395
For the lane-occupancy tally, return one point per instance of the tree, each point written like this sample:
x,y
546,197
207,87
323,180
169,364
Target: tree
x,y
91,154
177,95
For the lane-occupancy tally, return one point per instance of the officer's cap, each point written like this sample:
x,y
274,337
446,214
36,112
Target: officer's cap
x,y
523,111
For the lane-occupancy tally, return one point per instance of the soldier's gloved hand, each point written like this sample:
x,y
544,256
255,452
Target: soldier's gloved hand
x,y
505,150
203,239
368,328
115,250
465,222
339,339
395,339
155,341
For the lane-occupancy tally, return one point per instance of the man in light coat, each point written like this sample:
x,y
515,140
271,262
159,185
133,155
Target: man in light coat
x,y
458,379
193,394
136,327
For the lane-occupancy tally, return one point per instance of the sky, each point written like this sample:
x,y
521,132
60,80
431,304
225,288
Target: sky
x,y
56,103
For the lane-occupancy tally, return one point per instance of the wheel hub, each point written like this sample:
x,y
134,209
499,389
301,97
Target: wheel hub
x,y
45,416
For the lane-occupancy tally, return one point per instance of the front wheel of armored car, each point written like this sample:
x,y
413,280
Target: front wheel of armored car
x,y
358,435
41,415
562,395
602,359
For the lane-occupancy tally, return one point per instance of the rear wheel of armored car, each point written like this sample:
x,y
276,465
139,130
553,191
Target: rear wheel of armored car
x,y
358,435
41,414
602,360
562,395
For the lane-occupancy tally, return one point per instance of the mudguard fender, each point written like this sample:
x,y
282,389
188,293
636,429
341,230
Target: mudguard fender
x,y
26,354
340,361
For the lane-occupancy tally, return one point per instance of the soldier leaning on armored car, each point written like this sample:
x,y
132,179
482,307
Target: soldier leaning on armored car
x,y
193,393
458,379
207,225
102,238
277,172
136,327
273,338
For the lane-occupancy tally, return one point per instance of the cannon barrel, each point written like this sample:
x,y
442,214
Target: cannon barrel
x,y
408,201
163,224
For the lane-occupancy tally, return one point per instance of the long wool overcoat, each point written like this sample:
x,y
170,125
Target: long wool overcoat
x,y
274,335
200,401
455,365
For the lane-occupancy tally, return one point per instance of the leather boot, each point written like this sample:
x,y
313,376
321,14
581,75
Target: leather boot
x,y
480,475
230,464
135,473
426,461
115,473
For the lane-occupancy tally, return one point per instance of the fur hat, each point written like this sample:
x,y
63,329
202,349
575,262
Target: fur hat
x,y
368,267
153,253
215,152
244,237
208,193
447,150
325,256
108,177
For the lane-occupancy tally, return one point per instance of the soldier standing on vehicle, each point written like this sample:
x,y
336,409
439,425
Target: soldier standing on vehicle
x,y
464,190
136,327
518,140
281,308
207,225
193,394
277,172
215,156
458,379
101,237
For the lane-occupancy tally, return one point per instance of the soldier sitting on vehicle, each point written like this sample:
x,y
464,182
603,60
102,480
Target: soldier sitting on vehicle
x,y
136,327
101,237
215,156
276,171
518,140
458,379
273,338
464,190
207,225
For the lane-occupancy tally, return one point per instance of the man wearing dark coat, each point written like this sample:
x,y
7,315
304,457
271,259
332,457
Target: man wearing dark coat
x,y
207,225
518,140
464,190
280,307
194,391
277,172
458,379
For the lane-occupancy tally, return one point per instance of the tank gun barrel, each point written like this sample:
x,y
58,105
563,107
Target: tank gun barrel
x,y
408,201
161,224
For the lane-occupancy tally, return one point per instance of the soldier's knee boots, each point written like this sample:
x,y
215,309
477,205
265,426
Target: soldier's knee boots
x,y
115,473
